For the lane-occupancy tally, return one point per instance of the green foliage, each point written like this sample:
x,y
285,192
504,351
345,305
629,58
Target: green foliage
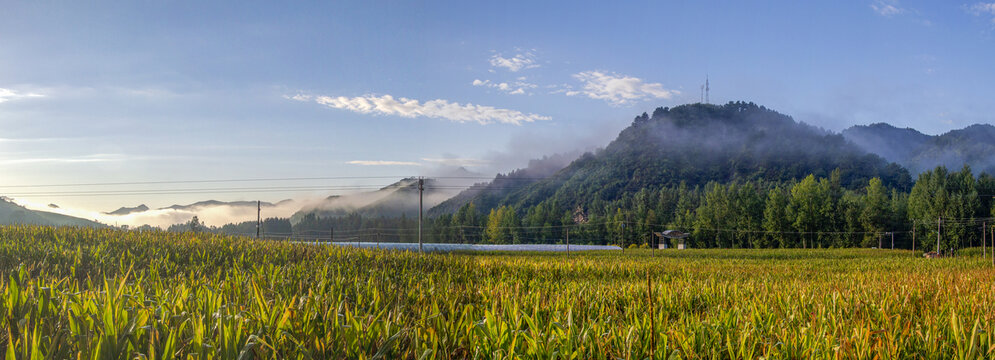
x,y
776,222
876,211
810,208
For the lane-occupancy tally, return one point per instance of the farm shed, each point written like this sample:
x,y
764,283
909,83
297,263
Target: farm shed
x,y
678,237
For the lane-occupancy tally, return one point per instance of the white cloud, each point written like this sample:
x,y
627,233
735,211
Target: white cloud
x,y
886,8
8,95
439,108
517,87
95,158
383,163
298,97
983,9
618,89
457,161
521,61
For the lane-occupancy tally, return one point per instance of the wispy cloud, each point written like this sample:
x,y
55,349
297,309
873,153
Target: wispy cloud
x,y
887,8
8,95
521,61
618,89
411,108
517,87
457,161
382,163
95,158
983,9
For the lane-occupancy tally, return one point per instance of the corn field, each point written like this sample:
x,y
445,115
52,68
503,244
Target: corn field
x,y
104,294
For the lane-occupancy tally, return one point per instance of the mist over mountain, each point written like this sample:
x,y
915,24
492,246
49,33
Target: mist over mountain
x,y
695,144
14,214
493,191
973,146
394,200
215,203
128,210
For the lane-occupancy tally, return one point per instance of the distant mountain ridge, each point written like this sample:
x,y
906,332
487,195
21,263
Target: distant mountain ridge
x,y
537,169
128,210
918,152
394,200
695,144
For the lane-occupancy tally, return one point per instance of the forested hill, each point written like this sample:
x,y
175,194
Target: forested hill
x,y
972,146
14,214
700,143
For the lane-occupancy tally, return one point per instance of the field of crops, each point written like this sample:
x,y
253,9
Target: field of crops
x,y
104,294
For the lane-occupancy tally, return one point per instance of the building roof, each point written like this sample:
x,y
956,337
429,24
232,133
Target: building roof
x,y
673,234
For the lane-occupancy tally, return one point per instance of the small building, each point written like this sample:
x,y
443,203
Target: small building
x,y
678,237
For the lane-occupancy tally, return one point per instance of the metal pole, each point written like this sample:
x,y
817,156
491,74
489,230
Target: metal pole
x,y
421,189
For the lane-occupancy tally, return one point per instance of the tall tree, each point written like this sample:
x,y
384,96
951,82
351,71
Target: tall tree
x,y
875,213
810,208
775,220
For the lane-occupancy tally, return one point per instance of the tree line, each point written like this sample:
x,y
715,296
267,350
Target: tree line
x,y
814,212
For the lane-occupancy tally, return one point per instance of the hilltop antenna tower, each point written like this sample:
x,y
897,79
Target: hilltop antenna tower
x,y
702,99
706,89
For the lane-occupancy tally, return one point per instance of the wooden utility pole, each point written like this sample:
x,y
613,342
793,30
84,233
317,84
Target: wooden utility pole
x,y
568,241
421,189
259,222
938,221
622,238
893,240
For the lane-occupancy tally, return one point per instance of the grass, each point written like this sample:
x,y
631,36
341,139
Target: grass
x,y
104,294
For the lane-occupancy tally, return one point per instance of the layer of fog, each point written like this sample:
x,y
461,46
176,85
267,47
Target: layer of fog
x,y
541,154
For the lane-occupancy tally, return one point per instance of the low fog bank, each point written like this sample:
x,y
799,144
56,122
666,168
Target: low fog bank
x,y
211,215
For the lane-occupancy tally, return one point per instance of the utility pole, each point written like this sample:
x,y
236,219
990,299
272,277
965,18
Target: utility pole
x,y
893,241
623,238
879,241
938,221
421,189
259,221
568,241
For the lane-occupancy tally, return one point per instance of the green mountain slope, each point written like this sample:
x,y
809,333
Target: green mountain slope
x,y
972,146
14,214
696,144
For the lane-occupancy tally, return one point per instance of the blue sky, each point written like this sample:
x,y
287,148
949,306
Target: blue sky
x,y
181,90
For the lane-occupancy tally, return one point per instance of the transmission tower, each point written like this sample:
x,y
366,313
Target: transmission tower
x,y
706,90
